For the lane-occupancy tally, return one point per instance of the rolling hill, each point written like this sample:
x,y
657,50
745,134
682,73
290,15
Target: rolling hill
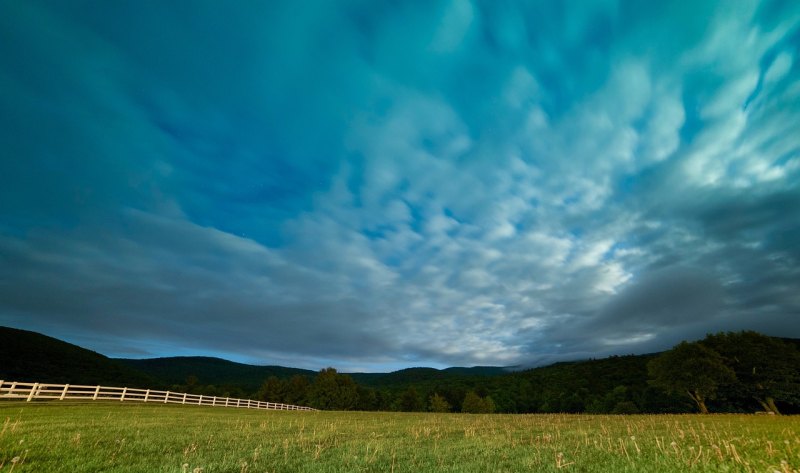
x,y
33,357
417,375
208,370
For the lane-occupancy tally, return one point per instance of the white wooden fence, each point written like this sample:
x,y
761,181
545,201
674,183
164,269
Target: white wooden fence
x,y
61,392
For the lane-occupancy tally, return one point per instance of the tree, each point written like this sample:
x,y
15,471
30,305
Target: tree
x,y
474,404
333,391
273,390
438,403
192,384
367,399
616,401
693,369
488,405
297,390
384,400
410,401
767,369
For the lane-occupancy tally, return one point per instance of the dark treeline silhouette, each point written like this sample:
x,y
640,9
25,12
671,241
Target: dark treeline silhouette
x,y
33,357
725,372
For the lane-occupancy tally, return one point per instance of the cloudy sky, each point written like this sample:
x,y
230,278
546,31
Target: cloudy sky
x,y
376,184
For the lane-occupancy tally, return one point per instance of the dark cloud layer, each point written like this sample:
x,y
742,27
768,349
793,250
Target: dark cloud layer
x,y
386,184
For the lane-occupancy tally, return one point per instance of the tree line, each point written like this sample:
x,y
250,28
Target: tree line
x,y
331,390
725,372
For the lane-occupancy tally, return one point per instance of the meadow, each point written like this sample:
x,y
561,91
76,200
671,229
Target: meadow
x,y
115,437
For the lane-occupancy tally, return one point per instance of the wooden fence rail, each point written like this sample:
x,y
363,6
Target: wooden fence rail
x,y
61,392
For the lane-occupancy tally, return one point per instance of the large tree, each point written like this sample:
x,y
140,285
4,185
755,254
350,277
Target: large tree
x,y
438,403
411,401
693,369
297,389
273,390
767,368
474,404
333,391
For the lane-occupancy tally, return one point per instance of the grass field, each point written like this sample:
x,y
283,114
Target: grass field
x,y
149,438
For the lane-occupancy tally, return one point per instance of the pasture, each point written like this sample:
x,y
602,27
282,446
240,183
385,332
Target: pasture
x,y
116,437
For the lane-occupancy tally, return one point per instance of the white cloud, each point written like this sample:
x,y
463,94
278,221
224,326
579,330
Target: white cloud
x,y
731,97
455,24
612,276
779,67
592,254
707,161
661,136
522,89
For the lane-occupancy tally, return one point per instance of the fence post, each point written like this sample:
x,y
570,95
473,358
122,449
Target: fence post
x,y
64,392
146,395
184,399
96,392
124,390
33,392
226,401
166,397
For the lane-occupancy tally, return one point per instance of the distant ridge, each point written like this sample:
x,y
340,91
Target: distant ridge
x,y
33,357
209,370
416,375
219,372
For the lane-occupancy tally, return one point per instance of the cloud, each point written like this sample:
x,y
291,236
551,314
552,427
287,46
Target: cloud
x,y
383,184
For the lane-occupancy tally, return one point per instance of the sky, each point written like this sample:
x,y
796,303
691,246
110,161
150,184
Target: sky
x,y
379,184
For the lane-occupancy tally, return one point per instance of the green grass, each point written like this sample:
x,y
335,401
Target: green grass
x,y
50,437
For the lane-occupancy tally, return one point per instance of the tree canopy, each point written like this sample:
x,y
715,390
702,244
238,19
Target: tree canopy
x,y
691,368
475,404
333,391
767,369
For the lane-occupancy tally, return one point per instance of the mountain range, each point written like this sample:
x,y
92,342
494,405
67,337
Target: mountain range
x,y
34,357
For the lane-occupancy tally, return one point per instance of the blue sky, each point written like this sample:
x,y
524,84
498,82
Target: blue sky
x,y
379,184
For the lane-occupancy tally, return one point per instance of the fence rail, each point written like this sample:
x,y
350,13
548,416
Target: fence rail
x,y
61,392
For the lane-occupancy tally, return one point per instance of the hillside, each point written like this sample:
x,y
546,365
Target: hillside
x,y
425,375
33,357
208,370
219,372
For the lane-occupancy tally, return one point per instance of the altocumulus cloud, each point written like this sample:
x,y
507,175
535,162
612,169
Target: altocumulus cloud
x,y
384,184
